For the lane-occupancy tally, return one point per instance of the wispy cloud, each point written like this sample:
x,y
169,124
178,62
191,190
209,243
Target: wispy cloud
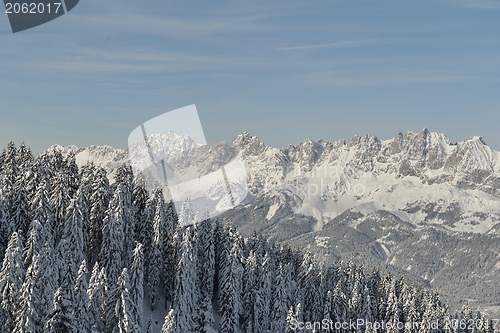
x,y
123,61
341,44
346,79
154,92
480,4
185,27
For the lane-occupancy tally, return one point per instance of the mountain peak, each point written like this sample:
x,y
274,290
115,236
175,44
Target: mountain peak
x,y
476,138
249,142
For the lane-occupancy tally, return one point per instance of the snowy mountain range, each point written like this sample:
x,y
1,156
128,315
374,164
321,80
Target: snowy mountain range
x,y
417,204
422,178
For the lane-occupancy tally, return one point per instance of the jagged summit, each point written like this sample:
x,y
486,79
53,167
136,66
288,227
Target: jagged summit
x,y
476,138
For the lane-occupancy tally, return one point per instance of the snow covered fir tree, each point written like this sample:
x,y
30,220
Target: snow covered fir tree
x,y
82,255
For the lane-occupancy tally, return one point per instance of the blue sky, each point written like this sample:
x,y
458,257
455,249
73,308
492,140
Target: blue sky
x,y
281,70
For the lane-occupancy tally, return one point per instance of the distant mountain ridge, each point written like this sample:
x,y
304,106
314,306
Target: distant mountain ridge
x,y
423,178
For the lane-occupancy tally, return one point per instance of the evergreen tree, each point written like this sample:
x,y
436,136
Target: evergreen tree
x,y
125,308
113,239
218,240
128,213
139,200
11,280
47,282
124,175
268,271
137,283
393,309
148,232
10,166
299,315
169,251
206,266
6,225
156,258
185,294
113,306
339,306
252,302
61,319
41,210
186,215
85,204
282,296
373,290
427,317
327,313
86,180
34,177
94,329
81,300
413,317
2,159
99,202
71,249
97,294
20,206
447,326
59,201
28,318
237,247
87,173
355,301
369,306
229,297
308,292
37,237
71,169
56,161
24,158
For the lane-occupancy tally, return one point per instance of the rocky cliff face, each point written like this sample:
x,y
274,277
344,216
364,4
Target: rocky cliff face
x,y
421,177
469,164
